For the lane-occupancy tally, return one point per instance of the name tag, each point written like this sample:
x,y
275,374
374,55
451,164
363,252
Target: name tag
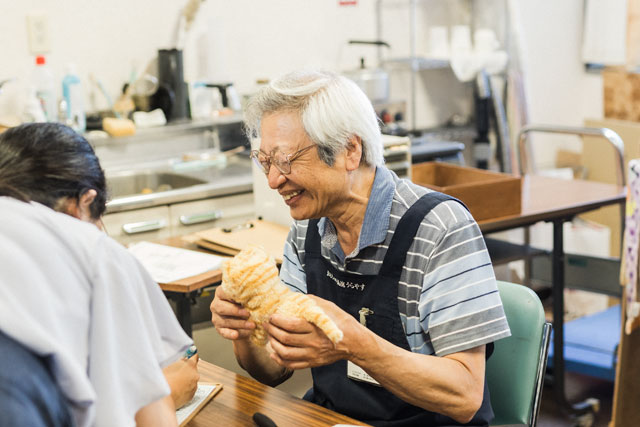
x,y
355,372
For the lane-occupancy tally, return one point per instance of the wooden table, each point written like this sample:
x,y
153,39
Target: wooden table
x,y
557,201
241,397
547,199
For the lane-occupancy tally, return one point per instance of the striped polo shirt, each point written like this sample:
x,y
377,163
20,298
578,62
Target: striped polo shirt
x,y
448,299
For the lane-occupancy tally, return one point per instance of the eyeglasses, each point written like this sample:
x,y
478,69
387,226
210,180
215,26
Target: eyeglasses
x,y
280,160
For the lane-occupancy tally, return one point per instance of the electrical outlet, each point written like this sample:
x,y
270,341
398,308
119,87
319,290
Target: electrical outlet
x,y
38,30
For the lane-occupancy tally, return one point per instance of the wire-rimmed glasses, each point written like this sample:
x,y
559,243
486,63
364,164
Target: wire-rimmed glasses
x,y
280,160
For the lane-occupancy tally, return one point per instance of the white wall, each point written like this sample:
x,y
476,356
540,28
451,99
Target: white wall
x,y
249,39
559,90
262,39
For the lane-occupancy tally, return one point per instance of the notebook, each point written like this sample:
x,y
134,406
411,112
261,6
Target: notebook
x,y
204,393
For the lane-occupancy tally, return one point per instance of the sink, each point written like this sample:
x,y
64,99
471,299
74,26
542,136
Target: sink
x,y
147,182
159,183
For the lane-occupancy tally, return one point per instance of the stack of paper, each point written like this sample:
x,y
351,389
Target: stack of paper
x,y
167,264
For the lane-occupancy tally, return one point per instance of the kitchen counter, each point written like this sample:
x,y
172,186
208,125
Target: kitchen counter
x,y
233,177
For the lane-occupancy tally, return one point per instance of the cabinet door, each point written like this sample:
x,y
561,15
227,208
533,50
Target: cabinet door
x,y
140,224
200,215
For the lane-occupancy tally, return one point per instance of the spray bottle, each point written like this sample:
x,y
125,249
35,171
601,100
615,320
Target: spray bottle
x,y
73,98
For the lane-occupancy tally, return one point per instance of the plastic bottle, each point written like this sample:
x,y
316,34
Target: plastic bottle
x,y
45,89
32,109
74,99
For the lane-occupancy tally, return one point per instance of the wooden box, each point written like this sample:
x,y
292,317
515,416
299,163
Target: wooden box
x,y
487,194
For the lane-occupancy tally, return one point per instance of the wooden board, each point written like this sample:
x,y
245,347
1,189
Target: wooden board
x,y
269,235
487,194
626,411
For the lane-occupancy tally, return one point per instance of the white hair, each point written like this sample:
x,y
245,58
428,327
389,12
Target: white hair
x,y
332,109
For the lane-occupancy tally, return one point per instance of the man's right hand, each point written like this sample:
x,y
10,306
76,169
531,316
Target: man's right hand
x,y
230,318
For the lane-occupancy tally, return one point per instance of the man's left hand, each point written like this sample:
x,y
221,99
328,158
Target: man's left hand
x,y
298,344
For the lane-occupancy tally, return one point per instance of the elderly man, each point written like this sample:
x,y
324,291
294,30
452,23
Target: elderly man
x,y
402,270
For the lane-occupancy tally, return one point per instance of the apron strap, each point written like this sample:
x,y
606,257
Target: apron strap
x,y
312,240
406,230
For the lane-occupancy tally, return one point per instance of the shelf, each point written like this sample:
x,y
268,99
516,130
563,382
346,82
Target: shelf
x,y
170,129
418,63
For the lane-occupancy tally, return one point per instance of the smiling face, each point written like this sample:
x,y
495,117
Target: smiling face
x,y
313,189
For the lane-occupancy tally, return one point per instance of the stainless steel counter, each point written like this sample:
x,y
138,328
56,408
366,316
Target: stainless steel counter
x,y
231,177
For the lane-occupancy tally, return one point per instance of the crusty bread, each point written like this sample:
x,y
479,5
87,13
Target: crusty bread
x,y
251,279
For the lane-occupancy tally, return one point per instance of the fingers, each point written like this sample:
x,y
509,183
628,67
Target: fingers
x,y
193,360
226,307
287,352
290,364
291,324
286,337
230,318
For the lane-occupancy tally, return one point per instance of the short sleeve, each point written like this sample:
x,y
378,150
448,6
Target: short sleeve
x,y
133,335
460,307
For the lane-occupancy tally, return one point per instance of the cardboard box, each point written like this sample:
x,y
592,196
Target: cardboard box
x,y
599,159
487,194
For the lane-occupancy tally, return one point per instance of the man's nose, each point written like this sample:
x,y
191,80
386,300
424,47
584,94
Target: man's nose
x,y
275,177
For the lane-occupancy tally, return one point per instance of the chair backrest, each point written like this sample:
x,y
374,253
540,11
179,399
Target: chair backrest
x,y
515,371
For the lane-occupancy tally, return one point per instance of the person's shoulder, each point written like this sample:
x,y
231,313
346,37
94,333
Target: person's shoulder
x,y
447,214
35,218
406,194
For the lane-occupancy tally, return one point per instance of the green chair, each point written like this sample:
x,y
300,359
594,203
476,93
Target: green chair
x,y
515,371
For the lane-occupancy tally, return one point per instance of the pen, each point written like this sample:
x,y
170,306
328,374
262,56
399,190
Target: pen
x,y
190,352
262,420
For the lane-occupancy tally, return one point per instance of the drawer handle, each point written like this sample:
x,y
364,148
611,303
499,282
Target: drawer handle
x,y
144,226
200,217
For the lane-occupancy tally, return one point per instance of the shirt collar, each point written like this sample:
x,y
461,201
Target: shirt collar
x,y
376,217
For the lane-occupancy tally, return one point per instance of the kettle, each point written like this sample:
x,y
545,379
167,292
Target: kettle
x,y
374,82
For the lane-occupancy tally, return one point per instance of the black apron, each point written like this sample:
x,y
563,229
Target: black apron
x,y
351,292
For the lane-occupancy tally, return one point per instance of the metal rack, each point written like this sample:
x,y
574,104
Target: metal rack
x,y
416,63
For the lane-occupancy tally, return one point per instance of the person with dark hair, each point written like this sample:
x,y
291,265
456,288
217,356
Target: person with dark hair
x,y
51,164
76,300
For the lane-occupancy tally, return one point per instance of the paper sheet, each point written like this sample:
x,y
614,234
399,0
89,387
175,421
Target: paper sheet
x,y
202,393
167,264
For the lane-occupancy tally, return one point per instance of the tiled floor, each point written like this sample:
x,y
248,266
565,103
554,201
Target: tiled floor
x,y
214,349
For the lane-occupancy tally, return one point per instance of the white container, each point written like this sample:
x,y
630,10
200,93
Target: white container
x,y
44,84
485,40
439,42
460,39
74,99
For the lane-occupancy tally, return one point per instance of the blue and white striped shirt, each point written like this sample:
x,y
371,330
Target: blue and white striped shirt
x,y
447,295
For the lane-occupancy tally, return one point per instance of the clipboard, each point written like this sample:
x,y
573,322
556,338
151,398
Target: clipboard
x,y
269,235
204,394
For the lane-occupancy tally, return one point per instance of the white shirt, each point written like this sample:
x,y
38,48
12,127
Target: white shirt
x,y
69,291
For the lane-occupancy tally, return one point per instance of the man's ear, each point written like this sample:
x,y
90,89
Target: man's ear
x,y
354,153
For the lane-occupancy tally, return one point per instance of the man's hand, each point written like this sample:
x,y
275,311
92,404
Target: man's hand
x,y
230,318
298,344
182,377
